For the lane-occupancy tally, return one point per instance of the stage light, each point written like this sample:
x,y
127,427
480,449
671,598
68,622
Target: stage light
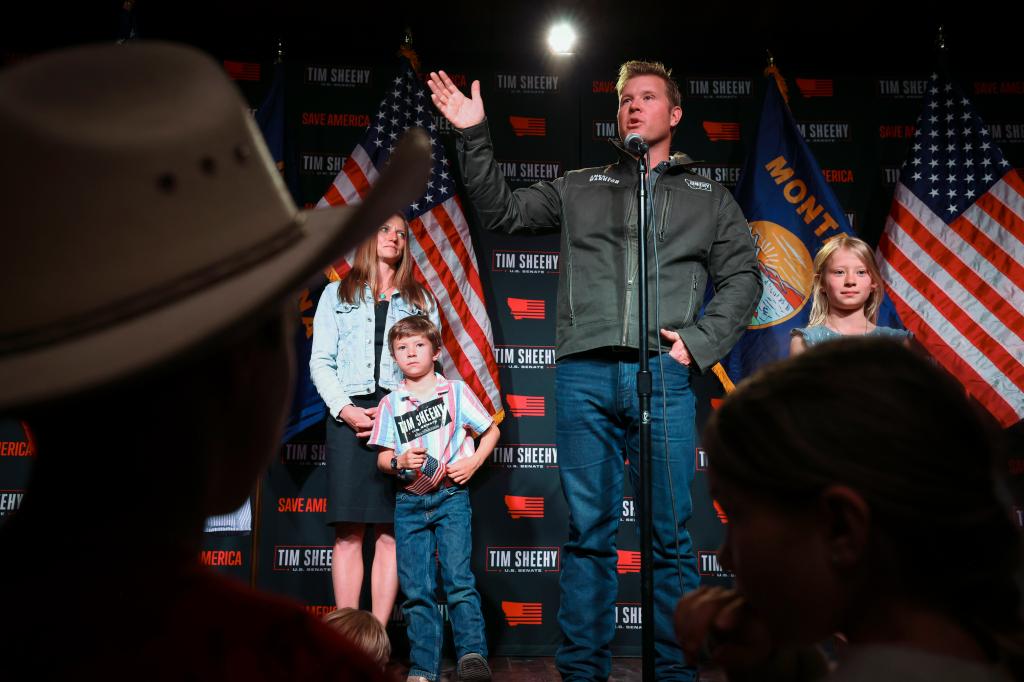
x,y
562,38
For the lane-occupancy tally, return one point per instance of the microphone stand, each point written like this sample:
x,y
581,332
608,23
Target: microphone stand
x,y
643,391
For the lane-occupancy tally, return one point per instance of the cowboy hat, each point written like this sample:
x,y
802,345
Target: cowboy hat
x,y
144,217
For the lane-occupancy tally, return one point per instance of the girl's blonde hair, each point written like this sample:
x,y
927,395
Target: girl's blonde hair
x,y
819,301
364,271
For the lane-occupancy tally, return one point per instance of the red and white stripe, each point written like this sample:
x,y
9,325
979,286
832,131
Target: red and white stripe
x,y
959,286
446,264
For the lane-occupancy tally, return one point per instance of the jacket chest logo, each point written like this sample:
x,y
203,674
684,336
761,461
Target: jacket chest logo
x,y
600,177
698,185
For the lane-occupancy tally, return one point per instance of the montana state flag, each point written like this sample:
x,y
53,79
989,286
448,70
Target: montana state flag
x,y
792,212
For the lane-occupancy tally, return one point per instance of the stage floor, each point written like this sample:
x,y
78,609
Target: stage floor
x,y
542,669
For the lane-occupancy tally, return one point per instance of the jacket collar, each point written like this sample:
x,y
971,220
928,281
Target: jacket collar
x,y
677,160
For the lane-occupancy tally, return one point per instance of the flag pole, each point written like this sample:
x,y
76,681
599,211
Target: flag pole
x,y
254,536
941,50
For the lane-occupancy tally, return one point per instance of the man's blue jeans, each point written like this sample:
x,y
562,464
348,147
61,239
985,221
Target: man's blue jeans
x,y
597,431
440,520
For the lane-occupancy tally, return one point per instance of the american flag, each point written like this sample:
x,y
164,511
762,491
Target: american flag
x,y
953,251
441,246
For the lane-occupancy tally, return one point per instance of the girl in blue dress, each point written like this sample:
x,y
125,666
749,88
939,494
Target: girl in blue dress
x,y
848,292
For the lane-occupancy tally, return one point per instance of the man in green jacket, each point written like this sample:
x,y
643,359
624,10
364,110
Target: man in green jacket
x,y
696,231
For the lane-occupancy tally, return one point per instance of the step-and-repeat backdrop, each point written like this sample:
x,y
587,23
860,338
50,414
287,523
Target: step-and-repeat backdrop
x,y
544,123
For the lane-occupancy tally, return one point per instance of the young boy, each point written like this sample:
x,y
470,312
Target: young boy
x,y
425,431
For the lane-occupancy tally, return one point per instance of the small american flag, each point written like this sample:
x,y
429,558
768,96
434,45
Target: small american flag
x,y
953,251
443,253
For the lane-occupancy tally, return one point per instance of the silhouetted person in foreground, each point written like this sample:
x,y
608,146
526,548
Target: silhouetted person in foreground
x,y
151,249
861,498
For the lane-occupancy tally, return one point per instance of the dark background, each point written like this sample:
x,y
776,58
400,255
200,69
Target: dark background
x,y
840,38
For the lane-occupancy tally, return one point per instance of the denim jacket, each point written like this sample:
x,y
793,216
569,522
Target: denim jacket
x,y
341,360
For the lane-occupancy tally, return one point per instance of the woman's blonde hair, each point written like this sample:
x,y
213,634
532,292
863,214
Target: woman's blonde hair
x,y
819,300
362,629
364,271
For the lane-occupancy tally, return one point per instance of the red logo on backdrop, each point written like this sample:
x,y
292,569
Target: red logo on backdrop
x,y
603,86
459,79
220,558
526,405
19,448
520,507
526,308
815,87
320,610
529,126
301,504
335,120
242,71
721,512
838,175
999,88
629,562
900,131
522,613
720,131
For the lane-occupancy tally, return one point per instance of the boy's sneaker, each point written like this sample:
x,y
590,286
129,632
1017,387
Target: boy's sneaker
x,y
473,668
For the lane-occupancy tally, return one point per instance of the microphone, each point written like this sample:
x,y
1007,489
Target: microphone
x,y
635,144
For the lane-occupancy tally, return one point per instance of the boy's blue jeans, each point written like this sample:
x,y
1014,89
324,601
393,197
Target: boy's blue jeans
x,y
442,521
597,420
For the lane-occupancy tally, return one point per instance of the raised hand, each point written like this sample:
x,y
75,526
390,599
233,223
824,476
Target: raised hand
x,y
461,112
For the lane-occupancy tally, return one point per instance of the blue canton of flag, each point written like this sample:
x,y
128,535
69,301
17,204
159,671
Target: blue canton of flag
x,y
952,254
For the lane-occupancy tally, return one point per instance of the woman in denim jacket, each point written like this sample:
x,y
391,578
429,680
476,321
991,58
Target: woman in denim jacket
x,y
351,374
